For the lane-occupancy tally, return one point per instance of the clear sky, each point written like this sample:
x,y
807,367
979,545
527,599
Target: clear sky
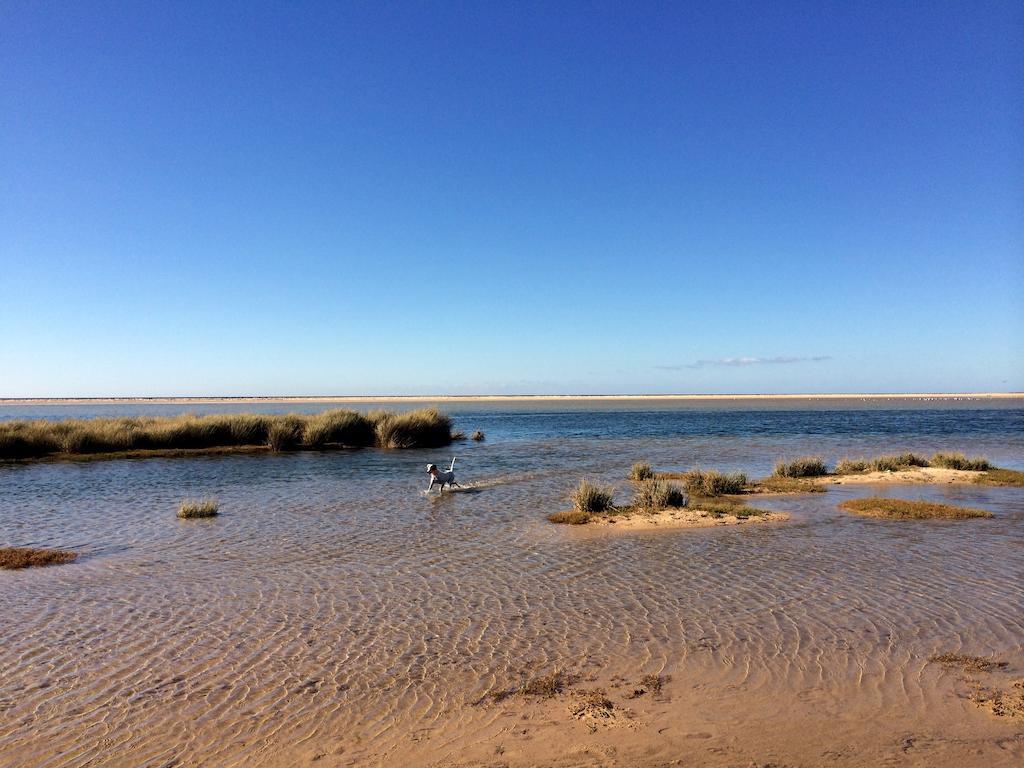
x,y
411,198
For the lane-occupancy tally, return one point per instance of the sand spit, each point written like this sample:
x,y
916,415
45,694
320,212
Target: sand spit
x,y
673,519
909,476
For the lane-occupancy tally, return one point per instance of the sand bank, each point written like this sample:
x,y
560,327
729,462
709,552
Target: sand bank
x,y
671,519
911,475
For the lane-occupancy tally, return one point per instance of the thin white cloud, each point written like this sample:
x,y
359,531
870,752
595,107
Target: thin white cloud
x,y
739,362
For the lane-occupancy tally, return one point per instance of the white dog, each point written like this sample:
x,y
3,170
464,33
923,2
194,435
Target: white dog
x,y
442,478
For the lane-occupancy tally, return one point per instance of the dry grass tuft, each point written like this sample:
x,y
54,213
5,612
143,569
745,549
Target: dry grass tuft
x,y
546,686
901,509
14,558
711,483
590,498
478,436
959,461
654,495
968,663
641,471
995,476
194,508
805,466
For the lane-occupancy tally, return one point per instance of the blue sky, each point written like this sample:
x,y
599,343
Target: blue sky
x,y
360,198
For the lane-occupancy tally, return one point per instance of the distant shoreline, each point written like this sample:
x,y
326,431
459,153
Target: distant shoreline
x,y
503,398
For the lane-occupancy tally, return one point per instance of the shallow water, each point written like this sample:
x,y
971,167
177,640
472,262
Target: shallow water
x,y
332,599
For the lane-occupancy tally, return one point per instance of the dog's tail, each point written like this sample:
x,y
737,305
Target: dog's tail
x,y
452,467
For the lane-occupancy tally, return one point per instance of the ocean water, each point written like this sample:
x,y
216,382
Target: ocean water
x,y
332,596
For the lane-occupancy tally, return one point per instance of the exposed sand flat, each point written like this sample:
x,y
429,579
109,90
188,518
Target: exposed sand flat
x,y
669,519
911,475
505,398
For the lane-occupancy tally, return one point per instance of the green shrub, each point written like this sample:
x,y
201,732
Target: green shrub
x,y
641,471
805,466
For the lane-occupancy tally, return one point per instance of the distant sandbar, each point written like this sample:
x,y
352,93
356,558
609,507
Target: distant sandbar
x,y
504,398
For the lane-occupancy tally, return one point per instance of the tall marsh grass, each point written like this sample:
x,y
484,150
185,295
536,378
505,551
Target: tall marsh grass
x,y
655,495
699,482
805,466
424,428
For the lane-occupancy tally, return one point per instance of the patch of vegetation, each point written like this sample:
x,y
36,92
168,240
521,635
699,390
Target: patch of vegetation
x,y
785,485
641,471
711,483
720,507
805,466
887,463
654,495
967,663
591,498
194,508
997,476
14,558
169,435
458,436
901,509
570,517
477,436
546,686
959,461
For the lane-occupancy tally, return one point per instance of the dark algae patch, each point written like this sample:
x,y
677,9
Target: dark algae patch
x,y
15,558
902,509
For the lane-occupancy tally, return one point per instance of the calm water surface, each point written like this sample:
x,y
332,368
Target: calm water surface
x,y
332,595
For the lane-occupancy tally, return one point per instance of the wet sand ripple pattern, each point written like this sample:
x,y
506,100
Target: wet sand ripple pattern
x,y
333,600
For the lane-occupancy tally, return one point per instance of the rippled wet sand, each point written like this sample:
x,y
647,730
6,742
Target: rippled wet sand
x,y
335,615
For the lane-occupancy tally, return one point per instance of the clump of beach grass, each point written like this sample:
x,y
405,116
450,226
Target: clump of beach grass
x,y
886,463
592,499
167,435
196,508
477,436
786,485
425,428
15,558
805,466
546,686
700,482
587,499
959,461
902,509
641,471
653,495
458,436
